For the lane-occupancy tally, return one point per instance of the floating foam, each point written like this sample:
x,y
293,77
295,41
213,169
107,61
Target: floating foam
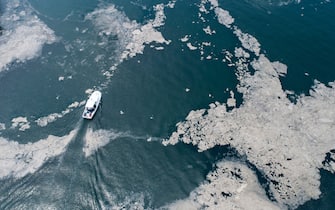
x,y
145,35
231,186
17,160
208,30
224,17
286,142
171,4
159,16
159,48
190,46
44,121
231,102
185,38
21,122
248,41
23,36
214,3
240,53
280,68
131,35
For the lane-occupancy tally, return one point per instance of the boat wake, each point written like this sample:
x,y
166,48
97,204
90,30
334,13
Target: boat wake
x,y
95,139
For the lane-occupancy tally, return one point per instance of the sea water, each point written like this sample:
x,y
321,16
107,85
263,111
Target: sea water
x,y
155,62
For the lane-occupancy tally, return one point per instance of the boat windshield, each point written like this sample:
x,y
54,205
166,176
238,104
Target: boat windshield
x,y
92,108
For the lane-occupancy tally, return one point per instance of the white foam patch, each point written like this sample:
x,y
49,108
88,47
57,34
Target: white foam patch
x,y
131,35
44,121
241,53
23,36
248,41
224,17
171,4
17,160
159,48
190,46
208,30
231,186
280,68
21,122
285,141
231,102
185,38
159,16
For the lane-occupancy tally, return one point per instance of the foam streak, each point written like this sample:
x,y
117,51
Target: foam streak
x,y
18,160
24,35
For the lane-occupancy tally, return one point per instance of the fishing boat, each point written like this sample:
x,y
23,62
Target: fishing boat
x,y
92,105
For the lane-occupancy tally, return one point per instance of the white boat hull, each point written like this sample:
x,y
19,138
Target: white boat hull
x,y
92,105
